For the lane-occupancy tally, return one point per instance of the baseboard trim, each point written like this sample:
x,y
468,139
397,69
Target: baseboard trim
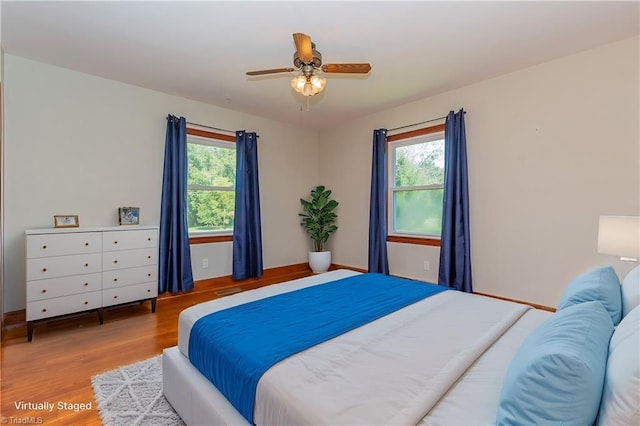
x,y
534,305
224,284
335,266
15,319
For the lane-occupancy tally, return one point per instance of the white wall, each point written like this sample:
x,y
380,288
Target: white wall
x,y
1,187
550,149
80,144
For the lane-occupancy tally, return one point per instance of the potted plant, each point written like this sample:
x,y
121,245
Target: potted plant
x,y
318,220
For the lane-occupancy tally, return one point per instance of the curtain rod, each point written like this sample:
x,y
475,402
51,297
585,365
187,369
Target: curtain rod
x,y
211,127
233,132
421,122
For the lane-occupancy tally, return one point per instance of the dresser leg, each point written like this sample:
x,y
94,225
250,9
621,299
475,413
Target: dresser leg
x,y
100,316
29,330
153,305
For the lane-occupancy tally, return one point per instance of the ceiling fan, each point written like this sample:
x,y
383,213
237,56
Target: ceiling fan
x,y
308,61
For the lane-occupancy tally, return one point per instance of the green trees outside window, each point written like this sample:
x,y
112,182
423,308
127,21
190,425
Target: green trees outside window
x,y
417,190
210,186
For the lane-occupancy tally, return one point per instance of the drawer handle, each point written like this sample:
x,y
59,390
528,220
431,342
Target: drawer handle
x,y
86,244
115,279
86,284
115,242
44,246
86,264
148,257
44,310
149,239
115,297
148,291
44,269
148,275
86,303
115,261
44,290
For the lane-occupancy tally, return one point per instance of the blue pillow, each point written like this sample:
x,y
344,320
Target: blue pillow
x,y
600,284
557,374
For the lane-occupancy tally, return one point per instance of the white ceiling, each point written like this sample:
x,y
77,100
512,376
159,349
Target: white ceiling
x,y
201,50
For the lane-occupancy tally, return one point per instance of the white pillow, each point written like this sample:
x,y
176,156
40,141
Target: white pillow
x,y
620,404
626,330
631,291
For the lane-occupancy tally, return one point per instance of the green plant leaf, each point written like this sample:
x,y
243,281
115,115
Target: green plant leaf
x,y
318,217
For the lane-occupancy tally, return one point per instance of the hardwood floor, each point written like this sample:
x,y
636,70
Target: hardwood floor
x,y
58,364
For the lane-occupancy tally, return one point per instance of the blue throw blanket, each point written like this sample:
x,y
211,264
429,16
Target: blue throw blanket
x,y
235,346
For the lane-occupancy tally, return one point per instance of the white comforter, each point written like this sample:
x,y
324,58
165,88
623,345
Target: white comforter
x,y
392,371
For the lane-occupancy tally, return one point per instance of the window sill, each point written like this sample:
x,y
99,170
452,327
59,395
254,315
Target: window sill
x,y
424,241
206,239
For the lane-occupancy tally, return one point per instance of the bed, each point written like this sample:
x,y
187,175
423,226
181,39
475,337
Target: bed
x,y
439,361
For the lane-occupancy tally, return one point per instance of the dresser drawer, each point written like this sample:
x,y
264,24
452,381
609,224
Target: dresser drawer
x,y
126,240
114,296
63,244
123,277
63,286
63,305
60,266
129,258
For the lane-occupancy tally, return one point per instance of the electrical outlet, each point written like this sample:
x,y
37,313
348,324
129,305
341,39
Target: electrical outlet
x,y
426,265
205,263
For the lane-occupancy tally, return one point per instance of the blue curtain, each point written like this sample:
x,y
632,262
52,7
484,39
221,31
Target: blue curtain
x,y
247,230
175,254
455,247
378,261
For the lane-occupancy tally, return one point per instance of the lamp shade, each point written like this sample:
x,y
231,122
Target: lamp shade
x,y
619,236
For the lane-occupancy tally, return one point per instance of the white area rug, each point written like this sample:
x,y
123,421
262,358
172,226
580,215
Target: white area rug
x,y
132,395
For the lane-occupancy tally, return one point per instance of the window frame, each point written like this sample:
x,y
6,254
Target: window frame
x,y
425,134
212,139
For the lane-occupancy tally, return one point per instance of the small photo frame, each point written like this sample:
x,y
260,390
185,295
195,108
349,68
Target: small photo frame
x,y
66,221
129,215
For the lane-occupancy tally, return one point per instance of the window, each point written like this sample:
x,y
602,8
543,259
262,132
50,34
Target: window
x,y
416,185
210,182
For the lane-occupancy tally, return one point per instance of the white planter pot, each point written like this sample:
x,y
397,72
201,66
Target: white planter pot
x,y
319,261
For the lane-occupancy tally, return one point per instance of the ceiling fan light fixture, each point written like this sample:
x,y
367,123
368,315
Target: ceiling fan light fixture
x,y
318,83
309,61
308,86
298,83
308,89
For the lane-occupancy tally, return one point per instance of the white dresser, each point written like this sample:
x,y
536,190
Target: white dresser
x,y
70,270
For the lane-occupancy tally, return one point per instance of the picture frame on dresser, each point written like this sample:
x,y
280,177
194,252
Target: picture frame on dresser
x,y
129,215
66,221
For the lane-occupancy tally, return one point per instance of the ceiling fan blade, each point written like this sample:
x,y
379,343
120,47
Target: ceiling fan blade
x,y
347,68
303,47
272,71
